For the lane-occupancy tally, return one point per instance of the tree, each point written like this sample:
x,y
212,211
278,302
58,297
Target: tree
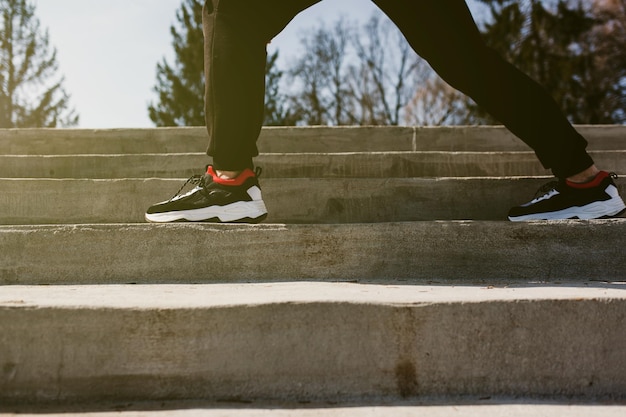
x,y
277,111
435,102
354,76
320,75
557,43
180,88
31,92
611,38
391,69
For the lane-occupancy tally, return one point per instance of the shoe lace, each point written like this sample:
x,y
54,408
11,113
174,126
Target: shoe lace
x,y
202,180
547,188
198,180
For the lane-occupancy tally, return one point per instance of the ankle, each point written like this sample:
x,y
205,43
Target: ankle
x,y
227,175
585,176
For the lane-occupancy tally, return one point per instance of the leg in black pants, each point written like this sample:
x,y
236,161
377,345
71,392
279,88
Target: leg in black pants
x,y
441,31
444,33
236,33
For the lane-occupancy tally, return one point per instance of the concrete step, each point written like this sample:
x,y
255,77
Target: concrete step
x,y
442,251
296,165
287,139
310,342
288,200
438,407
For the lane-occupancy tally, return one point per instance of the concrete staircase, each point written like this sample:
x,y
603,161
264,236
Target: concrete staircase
x,y
386,271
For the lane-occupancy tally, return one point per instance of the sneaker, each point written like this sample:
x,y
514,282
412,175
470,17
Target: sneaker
x,y
564,199
214,199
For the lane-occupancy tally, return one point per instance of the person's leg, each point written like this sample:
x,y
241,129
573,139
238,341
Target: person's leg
x,y
444,33
236,33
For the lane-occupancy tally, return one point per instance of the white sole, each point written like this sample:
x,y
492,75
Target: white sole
x,y
238,211
591,211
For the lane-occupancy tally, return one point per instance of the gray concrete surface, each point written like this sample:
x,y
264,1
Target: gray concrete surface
x,y
286,139
288,200
435,251
537,311
480,408
477,408
301,165
310,341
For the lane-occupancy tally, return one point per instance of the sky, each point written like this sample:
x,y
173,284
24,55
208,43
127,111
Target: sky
x,y
108,50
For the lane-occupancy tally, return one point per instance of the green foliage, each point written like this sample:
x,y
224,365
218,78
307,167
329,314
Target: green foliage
x,y
180,88
31,95
559,44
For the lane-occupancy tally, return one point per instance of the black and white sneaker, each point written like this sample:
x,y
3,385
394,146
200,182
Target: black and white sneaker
x,y
564,199
214,199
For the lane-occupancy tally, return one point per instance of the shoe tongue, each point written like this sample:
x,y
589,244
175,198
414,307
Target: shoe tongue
x,y
590,184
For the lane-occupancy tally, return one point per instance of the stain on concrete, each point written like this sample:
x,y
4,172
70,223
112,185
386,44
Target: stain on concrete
x,y
406,378
9,370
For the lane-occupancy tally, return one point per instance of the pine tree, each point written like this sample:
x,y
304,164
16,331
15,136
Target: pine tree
x,y
610,57
31,92
180,88
556,43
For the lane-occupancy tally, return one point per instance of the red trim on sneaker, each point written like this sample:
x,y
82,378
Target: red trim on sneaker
x,y
239,180
593,183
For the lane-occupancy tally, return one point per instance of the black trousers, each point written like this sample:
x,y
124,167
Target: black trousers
x,y
442,32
